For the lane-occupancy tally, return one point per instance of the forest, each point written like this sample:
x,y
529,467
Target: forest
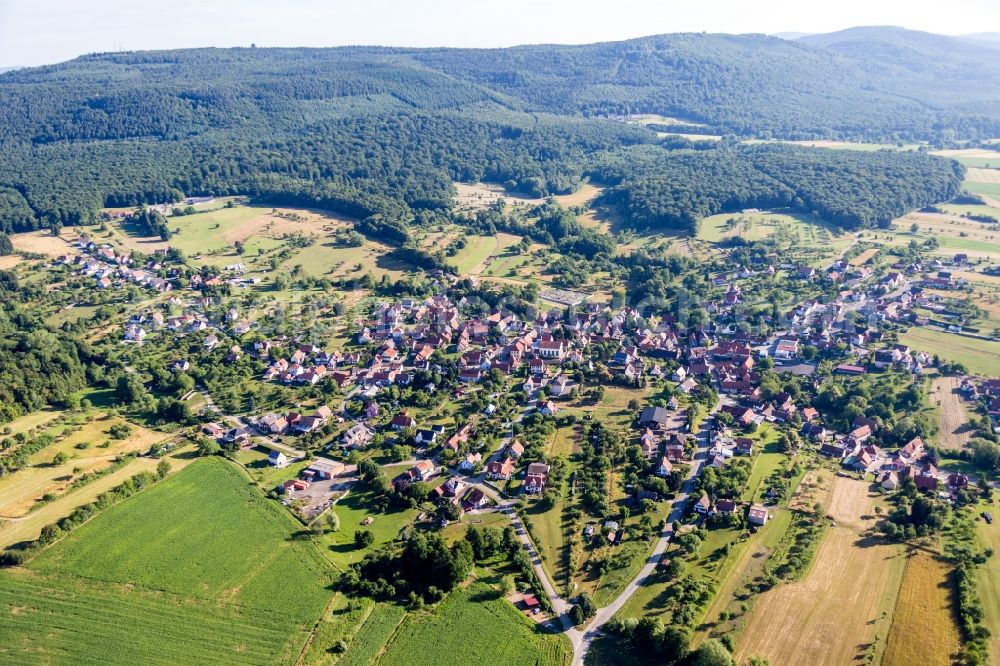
x,y
380,134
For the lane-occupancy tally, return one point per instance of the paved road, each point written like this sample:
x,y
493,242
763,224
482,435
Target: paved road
x,y
680,504
240,422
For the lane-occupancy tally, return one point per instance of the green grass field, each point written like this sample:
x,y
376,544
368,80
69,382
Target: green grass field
x,y
474,623
989,189
353,509
199,568
802,231
978,356
768,460
989,577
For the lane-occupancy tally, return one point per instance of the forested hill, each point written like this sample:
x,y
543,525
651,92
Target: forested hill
x,y
380,134
867,83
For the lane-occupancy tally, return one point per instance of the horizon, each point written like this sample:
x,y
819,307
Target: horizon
x,y
52,31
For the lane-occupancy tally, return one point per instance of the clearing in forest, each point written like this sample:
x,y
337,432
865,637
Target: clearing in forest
x,y
832,616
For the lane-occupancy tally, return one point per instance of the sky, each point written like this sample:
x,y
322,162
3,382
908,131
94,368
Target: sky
x,y
34,32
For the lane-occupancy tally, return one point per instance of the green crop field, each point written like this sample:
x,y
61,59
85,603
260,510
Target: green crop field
x,y
483,629
978,356
215,566
374,634
989,189
64,620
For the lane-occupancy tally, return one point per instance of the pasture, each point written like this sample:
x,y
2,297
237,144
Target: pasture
x,y
204,551
477,624
923,624
978,356
833,615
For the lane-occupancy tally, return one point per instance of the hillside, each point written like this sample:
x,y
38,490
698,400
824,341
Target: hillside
x,y
915,63
380,134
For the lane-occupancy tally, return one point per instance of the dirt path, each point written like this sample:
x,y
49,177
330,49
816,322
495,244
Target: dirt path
x,y
953,420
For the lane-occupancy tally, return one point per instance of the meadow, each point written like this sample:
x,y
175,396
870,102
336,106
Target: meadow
x,y
989,577
477,624
978,356
221,572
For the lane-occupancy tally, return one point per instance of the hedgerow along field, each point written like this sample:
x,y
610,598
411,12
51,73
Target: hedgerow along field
x,y
201,567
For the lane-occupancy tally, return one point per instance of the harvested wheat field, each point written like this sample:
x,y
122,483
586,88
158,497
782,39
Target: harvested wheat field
x,y
975,175
281,221
41,242
953,420
832,616
923,625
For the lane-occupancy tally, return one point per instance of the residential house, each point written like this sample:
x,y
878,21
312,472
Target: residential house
x,y
470,461
500,470
758,515
357,436
277,459
536,477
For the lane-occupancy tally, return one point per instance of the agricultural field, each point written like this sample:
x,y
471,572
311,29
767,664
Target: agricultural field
x,y
978,356
924,628
953,421
953,233
373,636
28,527
833,615
989,577
458,627
978,175
41,242
215,566
67,620
21,490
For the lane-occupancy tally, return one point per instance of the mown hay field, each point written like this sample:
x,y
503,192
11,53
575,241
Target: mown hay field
x,y
924,629
832,616
978,356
